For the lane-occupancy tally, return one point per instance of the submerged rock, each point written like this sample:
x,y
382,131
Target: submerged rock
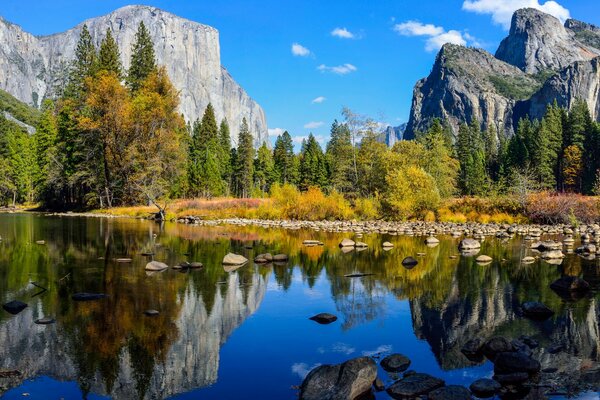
x,y
88,296
472,349
348,380
234,259
324,318
409,262
450,392
156,266
414,385
515,361
495,345
395,363
485,388
280,258
14,307
45,321
536,310
151,313
570,284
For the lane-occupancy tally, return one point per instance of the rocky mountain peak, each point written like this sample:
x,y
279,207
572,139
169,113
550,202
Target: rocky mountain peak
x,y
538,42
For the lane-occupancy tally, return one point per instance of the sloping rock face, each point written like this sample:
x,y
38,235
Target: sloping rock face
x,y
538,42
34,68
539,62
468,83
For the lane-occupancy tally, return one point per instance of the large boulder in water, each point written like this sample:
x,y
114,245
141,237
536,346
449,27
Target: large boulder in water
x,y
234,259
570,284
156,266
348,380
536,310
324,318
484,388
395,363
468,244
495,345
414,385
451,392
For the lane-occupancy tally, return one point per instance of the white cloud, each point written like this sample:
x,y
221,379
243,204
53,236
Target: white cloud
x,y
502,10
437,36
343,33
274,132
314,125
340,69
436,42
415,28
343,348
299,50
318,100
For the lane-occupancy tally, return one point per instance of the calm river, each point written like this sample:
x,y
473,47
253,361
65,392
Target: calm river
x,y
246,333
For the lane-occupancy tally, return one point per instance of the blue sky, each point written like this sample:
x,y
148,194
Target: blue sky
x,y
366,55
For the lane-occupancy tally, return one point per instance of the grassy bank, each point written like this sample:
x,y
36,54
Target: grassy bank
x,y
313,205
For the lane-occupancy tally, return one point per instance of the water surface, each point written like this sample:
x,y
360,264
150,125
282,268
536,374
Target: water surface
x,y
246,333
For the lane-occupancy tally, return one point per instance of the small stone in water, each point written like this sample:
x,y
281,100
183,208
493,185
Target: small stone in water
x,y
14,307
324,318
151,313
484,388
395,363
409,262
45,321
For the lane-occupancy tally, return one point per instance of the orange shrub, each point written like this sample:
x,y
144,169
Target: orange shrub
x,y
566,208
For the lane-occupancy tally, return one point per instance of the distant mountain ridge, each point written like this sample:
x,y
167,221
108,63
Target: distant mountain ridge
x,y
33,68
540,61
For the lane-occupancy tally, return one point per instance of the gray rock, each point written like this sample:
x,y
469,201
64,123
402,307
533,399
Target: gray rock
x,y
450,392
156,266
151,313
388,245
347,243
468,244
280,258
14,307
234,259
483,259
395,363
348,380
324,318
33,68
485,388
414,385
552,255
432,240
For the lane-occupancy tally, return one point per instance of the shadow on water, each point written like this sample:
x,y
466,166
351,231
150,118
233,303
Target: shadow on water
x,y
221,334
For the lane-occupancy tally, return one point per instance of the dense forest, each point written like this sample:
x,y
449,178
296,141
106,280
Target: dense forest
x,y
114,137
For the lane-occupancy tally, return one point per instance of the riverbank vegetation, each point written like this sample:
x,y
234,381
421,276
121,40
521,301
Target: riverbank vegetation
x,y
114,140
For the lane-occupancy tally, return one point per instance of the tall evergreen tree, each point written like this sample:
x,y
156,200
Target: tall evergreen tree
x,y
264,168
84,64
471,155
225,154
205,157
44,141
143,60
245,160
313,168
339,158
286,164
109,58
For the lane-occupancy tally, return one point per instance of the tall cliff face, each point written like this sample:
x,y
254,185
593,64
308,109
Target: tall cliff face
x,y
540,61
33,68
468,83
538,42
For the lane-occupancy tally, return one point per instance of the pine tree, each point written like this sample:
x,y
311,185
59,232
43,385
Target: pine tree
x,y
225,154
44,141
245,160
83,66
109,58
554,130
313,168
578,122
471,156
264,168
591,157
143,60
194,165
339,158
205,173
286,164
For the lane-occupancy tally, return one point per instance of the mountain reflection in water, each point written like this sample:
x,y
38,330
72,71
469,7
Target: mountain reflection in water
x,y
221,335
